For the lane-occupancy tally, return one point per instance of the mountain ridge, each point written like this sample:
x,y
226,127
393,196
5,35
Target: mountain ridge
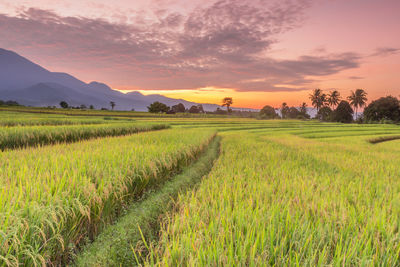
x,y
30,84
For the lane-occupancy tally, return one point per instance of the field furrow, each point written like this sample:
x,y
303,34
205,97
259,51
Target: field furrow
x,y
113,247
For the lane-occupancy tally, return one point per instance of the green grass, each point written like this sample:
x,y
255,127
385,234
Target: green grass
x,y
279,199
19,137
54,199
114,246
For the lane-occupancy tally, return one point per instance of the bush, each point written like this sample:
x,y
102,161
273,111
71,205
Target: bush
x,y
343,113
384,109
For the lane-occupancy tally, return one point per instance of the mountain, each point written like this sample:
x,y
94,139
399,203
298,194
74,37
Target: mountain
x,y
30,84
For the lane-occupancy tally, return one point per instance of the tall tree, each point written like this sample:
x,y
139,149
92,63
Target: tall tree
x,y
112,104
334,98
303,108
284,110
318,99
227,101
358,99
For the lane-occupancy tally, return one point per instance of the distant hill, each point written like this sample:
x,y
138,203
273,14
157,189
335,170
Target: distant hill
x,y
30,84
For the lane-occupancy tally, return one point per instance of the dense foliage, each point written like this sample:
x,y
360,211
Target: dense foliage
x,y
158,107
343,113
385,108
268,112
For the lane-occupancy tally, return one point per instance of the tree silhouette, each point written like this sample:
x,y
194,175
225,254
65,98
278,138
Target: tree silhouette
x,y
63,104
179,108
194,109
303,108
318,99
112,104
343,113
334,98
227,101
384,108
284,110
358,99
157,107
268,112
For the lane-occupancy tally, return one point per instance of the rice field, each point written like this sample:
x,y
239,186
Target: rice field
x,y
19,137
12,119
289,201
51,198
272,193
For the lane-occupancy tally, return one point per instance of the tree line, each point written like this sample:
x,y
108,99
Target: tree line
x,y
332,107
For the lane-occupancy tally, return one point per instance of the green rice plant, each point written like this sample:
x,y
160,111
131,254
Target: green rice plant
x,y
274,198
113,247
12,119
53,199
19,137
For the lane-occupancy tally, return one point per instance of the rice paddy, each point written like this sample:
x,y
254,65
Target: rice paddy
x,y
274,193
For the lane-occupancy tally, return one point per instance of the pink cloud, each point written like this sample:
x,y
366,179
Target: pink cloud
x,y
224,44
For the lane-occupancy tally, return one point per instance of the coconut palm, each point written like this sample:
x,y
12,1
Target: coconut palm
x,y
303,108
318,99
358,99
334,98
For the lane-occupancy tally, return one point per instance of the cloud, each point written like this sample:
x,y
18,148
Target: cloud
x,y
385,51
225,44
356,78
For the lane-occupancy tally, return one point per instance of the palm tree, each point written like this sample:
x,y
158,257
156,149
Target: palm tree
x,y
303,108
227,101
358,99
334,98
318,99
112,104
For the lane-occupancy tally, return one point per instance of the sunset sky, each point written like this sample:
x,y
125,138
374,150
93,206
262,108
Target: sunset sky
x,y
257,51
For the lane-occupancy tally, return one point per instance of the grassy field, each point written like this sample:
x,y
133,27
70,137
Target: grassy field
x,y
280,192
